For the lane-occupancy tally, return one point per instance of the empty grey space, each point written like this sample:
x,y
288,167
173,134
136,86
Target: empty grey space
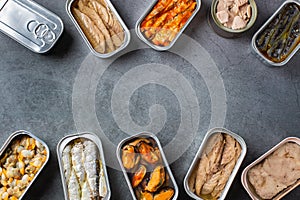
x,y
263,103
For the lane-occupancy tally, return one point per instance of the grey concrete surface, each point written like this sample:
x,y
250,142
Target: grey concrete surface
x,y
37,94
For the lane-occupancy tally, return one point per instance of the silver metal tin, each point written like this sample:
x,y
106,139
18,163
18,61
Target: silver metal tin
x,y
30,24
112,8
198,156
156,47
244,178
255,49
64,142
25,133
165,162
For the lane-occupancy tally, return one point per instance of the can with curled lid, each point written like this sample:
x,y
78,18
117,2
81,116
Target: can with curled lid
x,y
30,24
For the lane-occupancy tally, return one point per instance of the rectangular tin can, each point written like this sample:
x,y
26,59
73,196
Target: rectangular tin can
x,y
30,24
156,47
16,135
164,160
258,54
112,8
85,136
244,178
198,156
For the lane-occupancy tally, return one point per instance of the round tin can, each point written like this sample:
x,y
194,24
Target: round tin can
x,y
223,31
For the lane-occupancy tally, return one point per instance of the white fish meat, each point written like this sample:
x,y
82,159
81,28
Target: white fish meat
x,y
77,162
102,182
67,163
73,187
90,165
85,192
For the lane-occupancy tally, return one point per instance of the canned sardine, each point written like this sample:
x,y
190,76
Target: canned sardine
x,y
82,167
279,38
99,25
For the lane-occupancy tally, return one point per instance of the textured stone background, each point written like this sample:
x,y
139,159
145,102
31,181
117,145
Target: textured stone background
x,y
263,104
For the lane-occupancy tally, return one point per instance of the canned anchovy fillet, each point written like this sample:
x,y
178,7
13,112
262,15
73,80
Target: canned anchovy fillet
x,y
30,24
164,21
100,25
215,165
145,168
279,38
23,156
82,167
278,169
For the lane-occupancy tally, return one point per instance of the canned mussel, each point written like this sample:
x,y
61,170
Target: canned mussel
x,y
22,158
82,167
100,25
164,22
278,40
146,169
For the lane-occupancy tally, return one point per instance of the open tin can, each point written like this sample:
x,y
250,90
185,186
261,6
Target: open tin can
x,y
176,33
148,160
30,24
30,154
269,36
224,31
97,16
204,145
92,172
245,175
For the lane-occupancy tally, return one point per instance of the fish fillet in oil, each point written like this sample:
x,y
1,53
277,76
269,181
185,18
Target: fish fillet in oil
x,y
73,187
93,34
77,162
90,165
201,176
102,182
108,18
67,163
98,22
228,149
218,160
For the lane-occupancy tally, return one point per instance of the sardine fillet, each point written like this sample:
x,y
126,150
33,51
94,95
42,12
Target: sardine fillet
x,y
73,187
77,162
67,163
90,165
93,34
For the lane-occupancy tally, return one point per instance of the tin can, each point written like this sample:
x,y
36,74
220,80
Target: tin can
x,y
30,24
162,48
69,4
202,148
17,136
142,136
245,178
226,32
69,140
255,48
